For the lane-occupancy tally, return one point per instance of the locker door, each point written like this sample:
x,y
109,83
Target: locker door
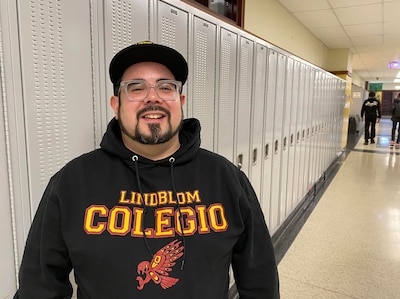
x,y
258,118
201,103
314,142
292,143
329,121
304,135
268,135
299,166
244,103
286,147
58,103
321,107
52,119
308,164
277,171
325,123
172,27
126,22
226,94
172,31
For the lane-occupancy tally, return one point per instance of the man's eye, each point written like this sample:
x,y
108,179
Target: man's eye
x,y
135,87
167,87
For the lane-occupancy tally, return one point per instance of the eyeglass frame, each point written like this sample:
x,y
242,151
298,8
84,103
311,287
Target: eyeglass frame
x,y
124,84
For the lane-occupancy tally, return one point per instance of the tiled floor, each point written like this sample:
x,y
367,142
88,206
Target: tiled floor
x,y
350,245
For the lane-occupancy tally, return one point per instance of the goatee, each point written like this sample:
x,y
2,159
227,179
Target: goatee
x,y
156,136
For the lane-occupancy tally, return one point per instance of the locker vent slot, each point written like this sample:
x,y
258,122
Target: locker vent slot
x,y
226,98
168,29
201,74
121,24
49,85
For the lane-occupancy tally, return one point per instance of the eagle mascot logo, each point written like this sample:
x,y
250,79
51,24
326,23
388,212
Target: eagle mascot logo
x,y
160,266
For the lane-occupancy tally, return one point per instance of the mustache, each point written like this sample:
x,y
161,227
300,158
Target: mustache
x,y
153,108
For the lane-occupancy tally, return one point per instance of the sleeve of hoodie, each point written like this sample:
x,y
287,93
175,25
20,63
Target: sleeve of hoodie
x,y
253,260
45,267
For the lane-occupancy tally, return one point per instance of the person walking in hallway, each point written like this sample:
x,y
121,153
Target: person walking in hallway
x,y
395,122
372,110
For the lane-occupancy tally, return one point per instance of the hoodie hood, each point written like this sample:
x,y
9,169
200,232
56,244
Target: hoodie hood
x,y
189,138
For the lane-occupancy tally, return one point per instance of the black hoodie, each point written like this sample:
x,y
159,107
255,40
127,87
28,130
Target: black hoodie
x,y
92,217
371,108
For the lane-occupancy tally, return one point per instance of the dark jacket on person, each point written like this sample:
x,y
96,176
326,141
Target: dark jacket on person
x,y
394,104
95,210
371,108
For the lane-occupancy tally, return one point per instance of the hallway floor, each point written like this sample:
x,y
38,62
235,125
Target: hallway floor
x,y
350,245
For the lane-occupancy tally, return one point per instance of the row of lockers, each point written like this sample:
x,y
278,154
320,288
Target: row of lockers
x,y
274,115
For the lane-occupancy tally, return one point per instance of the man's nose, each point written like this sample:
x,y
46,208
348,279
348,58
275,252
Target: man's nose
x,y
152,95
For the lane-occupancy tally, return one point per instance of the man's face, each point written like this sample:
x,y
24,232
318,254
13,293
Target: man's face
x,y
153,120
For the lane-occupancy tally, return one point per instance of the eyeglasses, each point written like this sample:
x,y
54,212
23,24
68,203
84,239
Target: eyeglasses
x,y
138,90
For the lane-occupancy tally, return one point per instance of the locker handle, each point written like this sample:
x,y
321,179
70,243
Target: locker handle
x,y
298,136
291,139
240,161
266,151
284,143
255,156
276,147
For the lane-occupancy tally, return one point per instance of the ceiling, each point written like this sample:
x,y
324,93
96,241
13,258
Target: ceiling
x,y
369,28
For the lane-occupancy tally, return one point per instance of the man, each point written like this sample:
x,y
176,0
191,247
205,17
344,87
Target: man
x,y
372,110
150,214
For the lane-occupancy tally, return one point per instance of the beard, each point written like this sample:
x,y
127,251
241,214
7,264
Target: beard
x,y
156,136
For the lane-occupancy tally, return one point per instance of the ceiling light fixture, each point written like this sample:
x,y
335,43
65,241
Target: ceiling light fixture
x,y
394,65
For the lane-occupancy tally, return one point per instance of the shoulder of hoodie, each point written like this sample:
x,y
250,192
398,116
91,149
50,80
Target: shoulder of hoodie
x,y
217,161
90,158
94,160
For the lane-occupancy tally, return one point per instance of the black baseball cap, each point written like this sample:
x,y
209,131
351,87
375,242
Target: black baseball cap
x,y
147,51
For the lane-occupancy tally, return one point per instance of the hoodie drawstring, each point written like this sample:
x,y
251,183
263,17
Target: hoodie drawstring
x,y
135,159
171,161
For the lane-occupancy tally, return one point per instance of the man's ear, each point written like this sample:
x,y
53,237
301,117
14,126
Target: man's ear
x,y
114,103
183,99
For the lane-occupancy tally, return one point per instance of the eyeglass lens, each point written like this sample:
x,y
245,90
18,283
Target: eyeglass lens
x,y
138,90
